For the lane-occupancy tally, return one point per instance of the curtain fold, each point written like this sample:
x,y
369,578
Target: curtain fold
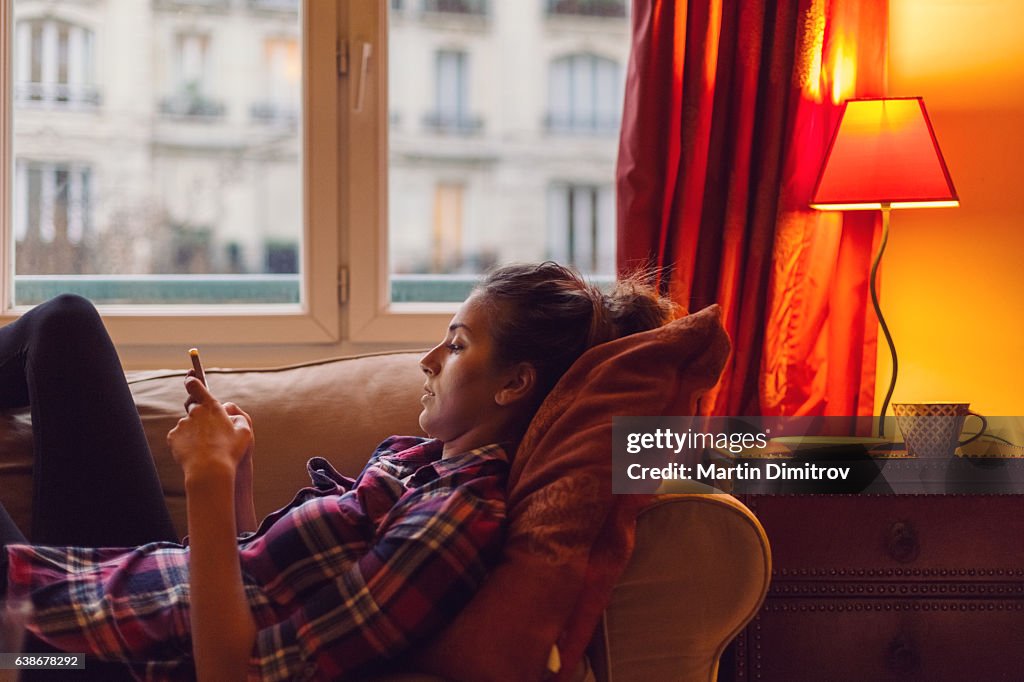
x,y
729,108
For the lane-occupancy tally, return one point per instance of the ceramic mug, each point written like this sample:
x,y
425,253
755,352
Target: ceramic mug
x,y
932,430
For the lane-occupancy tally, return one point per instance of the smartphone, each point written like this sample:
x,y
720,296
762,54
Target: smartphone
x,y
197,365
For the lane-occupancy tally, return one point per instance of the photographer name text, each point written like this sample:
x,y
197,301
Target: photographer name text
x,y
740,471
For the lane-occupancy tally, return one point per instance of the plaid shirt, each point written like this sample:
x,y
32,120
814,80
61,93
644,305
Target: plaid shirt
x,y
349,574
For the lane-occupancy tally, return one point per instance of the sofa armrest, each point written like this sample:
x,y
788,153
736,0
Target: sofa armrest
x,y
698,575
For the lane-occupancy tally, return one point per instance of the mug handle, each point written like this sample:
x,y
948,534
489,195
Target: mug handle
x,y
981,432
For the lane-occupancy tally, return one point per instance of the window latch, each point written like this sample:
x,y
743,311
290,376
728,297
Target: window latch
x,y
343,284
364,67
341,58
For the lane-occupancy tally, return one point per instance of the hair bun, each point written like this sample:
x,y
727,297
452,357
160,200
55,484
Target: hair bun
x,y
633,307
548,315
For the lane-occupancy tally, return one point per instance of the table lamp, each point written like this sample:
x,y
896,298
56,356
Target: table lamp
x,y
883,155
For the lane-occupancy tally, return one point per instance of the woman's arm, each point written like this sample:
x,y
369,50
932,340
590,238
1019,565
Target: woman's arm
x,y
223,630
209,444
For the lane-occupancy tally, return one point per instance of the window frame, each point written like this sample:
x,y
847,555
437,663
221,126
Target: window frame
x,y
346,276
317,320
371,316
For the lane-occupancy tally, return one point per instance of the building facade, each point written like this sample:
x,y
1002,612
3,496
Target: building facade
x,y
163,136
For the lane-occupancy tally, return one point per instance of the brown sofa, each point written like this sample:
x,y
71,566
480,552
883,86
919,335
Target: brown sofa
x,y
698,575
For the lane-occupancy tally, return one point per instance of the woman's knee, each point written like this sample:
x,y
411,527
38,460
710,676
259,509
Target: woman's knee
x,y
66,314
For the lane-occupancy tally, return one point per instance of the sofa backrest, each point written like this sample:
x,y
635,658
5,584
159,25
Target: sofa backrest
x,y
339,408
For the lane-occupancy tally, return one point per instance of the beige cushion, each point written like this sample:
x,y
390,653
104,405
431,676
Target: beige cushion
x,y
339,408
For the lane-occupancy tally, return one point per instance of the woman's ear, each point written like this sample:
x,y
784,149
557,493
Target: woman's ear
x,y
522,380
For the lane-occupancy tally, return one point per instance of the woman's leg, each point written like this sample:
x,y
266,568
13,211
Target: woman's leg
x,y
94,480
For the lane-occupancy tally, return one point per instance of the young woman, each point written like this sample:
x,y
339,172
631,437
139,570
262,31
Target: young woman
x,y
350,573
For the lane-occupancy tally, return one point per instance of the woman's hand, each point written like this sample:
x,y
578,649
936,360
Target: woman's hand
x,y
210,440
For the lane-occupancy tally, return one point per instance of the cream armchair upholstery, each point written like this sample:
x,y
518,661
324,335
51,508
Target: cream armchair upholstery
x,y
698,575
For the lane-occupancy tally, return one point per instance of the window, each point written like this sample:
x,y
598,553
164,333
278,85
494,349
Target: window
x,y
239,198
183,195
53,217
278,104
54,64
581,227
446,249
584,94
451,112
516,188
190,89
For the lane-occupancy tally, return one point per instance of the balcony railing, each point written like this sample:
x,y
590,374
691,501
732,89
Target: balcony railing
x,y
587,125
192,106
57,93
274,113
453,123
218,5
470,7
587,8
291,6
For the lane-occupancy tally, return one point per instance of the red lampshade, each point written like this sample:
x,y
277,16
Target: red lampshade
x,y
884,152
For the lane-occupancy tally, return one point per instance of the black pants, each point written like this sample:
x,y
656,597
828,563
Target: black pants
x,y
94,482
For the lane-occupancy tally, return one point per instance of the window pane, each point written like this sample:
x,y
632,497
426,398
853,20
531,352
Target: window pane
x,y
503,136
157,151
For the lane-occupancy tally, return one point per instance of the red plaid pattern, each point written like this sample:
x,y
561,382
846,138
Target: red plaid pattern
x,y
345,577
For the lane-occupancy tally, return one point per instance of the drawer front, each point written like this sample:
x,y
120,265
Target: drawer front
x,y
946,537
860,640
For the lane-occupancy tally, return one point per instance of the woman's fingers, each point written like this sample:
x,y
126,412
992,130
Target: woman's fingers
x,y
239,421
198,391
234,409
209,433
198,394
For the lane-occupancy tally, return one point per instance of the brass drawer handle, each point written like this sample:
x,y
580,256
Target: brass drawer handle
x,y
902,542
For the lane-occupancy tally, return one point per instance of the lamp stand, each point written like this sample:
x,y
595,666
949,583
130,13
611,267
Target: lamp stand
x,y
886,208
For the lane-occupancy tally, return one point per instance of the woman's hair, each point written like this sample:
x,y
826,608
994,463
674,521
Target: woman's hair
x,y
548,315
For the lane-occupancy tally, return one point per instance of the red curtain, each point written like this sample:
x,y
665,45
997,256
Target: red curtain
x,y
729,107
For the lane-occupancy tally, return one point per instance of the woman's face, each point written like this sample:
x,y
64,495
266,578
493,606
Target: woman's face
x,y
464,400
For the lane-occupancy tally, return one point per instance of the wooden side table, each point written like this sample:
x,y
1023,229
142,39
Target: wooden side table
x,y
889,587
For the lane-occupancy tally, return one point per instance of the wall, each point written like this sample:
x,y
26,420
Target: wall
x,y
953,280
